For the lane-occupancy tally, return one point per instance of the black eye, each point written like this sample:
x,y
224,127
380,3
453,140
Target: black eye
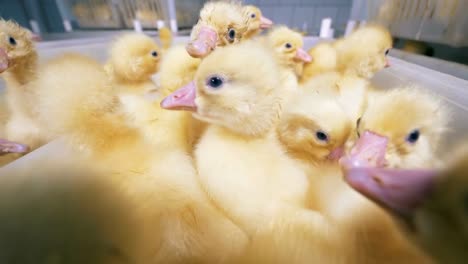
x,y
413,136
154,53
386,52
231,34
12,41
288,45
215,82
322,136
252,15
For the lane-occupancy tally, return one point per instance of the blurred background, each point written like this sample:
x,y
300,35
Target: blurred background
x,y
435,28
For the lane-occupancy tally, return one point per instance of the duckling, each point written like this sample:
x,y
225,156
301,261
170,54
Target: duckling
x,y
287,49
362,53
180,223
133,60
314,127
18,66
429,205
213,29
220,23
256,21
241,111
397,131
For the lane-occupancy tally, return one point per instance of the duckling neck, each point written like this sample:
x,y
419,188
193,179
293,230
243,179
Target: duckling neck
x,y
23,71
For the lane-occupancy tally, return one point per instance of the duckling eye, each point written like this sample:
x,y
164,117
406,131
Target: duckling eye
x,y
231,34
288,45
154,53
252,15
386,52
413,136
322,136
12,41
215,82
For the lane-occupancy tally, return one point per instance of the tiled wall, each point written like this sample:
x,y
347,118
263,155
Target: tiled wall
x,y
306,13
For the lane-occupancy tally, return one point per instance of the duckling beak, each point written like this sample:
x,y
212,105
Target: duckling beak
x,y
3,60
204,43
265,22
302,55
387,63
182,99
336,154
369,151
399,190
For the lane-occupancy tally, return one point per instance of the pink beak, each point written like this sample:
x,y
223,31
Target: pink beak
x,y
369,151
302,55
400,190
3,60
36,37
203,44
265,22
336,154
387,63
182,99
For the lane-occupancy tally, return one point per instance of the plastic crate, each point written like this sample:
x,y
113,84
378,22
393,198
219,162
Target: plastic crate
x,y
95,14
439,21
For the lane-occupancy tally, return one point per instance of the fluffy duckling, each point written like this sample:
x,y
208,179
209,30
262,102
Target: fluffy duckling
x,y
286,45
213,29
430,205
363,53
314,127
18,65
85,110
398,131
133,60
242,111
220,23
398,137
180,223
256,21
